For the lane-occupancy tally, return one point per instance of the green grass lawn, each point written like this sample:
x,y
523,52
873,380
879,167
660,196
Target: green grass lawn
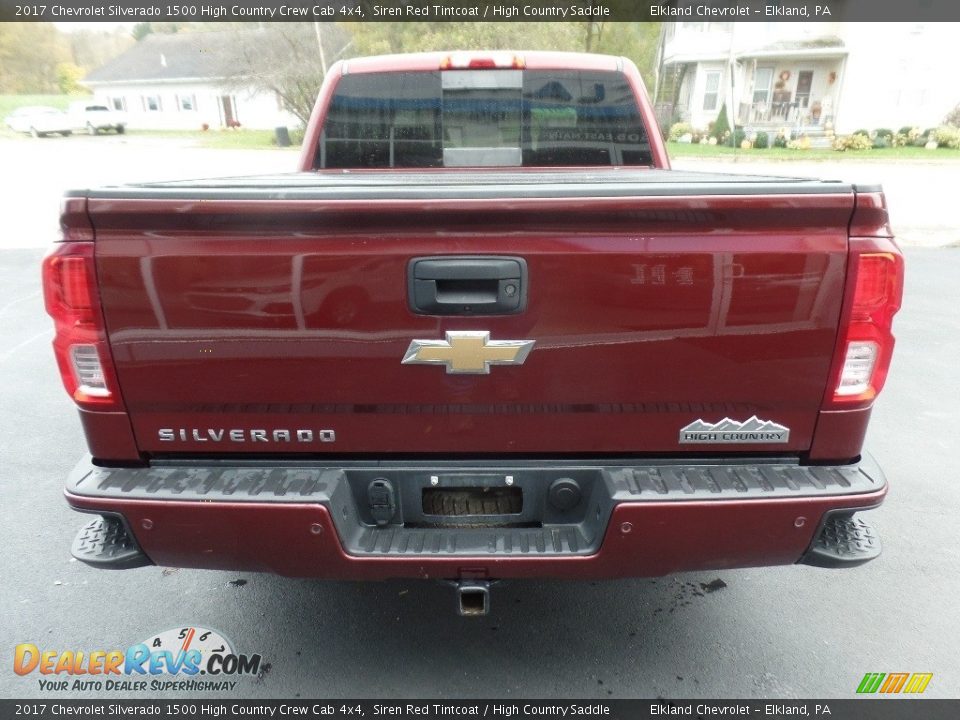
x,y
239,139
679,150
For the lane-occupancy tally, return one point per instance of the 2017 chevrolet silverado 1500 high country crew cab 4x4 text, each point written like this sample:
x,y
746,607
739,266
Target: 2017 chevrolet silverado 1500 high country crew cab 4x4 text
x,y
484,332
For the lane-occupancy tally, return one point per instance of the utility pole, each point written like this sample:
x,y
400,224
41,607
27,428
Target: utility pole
x,y
658,66
323,57
732,87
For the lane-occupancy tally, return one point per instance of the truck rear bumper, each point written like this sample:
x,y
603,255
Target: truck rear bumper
x,y
629,519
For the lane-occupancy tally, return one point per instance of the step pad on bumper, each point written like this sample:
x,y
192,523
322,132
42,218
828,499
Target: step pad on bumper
x,y
105,543
843,541
402,541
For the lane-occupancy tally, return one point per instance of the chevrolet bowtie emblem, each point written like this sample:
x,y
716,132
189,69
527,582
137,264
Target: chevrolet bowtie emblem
x,y
468,351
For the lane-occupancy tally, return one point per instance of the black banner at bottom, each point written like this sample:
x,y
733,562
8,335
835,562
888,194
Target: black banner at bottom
x,y
852,709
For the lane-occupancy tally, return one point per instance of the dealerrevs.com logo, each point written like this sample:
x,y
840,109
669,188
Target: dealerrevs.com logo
x,y
172,660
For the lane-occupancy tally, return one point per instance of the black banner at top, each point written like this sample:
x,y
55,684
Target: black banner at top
x,y
478,10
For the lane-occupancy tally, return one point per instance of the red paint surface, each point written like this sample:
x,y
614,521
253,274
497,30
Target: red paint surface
x,y
109,435
665,538
648,313
840,434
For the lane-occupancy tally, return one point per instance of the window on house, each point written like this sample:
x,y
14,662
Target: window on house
x,y
694,26
711,91
118,103
187,103
762,80
151,103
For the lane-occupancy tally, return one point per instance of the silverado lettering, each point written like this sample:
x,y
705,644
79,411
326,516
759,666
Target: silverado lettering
x,y
240,435
545,352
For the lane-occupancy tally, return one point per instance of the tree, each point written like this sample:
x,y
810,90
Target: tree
x,y
721,128
378,38
89,49
68,76
29,55
141,30
953,117
285,59
637,41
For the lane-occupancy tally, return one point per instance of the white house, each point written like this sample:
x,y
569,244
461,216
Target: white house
x,y
814,77
178,81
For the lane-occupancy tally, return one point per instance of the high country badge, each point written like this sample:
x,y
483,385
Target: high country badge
x,y
731,432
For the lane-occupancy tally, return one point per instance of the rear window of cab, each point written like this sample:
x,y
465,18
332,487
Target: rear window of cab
x,y
483,118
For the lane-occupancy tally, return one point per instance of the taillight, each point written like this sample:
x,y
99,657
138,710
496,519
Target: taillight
x,y
875,274
80,343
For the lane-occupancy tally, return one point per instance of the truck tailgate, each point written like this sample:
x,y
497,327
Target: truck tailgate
x,y
271,315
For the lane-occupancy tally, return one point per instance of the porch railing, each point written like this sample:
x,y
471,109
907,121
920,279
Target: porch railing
x,y
786,113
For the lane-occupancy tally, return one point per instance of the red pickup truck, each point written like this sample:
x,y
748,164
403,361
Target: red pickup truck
x,y
484,332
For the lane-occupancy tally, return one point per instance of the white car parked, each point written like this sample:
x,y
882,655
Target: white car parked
x,y
39,121
93,118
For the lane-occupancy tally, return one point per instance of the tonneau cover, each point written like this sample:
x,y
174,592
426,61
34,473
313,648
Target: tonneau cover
x,y
420,185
